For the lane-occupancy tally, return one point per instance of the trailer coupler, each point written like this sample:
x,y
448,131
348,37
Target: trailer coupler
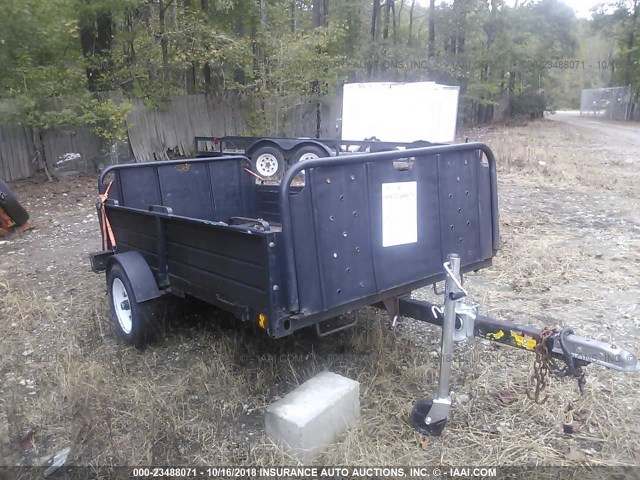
x,y
461,323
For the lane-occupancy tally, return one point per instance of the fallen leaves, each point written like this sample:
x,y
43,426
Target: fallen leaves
x,y
576,455
425,443
507,397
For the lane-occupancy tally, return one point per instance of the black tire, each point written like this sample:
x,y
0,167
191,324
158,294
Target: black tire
x,y
308,152
9,203
145,318
268,162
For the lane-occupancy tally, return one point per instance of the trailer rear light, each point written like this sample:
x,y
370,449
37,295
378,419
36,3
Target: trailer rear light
x,y
262,321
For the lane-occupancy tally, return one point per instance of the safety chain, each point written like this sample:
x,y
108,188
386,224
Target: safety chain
x,y
541,367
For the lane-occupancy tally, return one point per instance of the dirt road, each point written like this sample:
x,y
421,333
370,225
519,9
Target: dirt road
x,y
607,131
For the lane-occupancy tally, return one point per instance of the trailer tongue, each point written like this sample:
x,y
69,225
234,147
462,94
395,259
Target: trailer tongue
x,y
461,323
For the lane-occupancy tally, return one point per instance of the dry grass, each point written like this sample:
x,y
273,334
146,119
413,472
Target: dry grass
x,y
198,396
549,152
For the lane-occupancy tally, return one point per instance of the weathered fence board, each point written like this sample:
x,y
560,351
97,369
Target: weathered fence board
x,y
159,134
16,152
298,117
70,149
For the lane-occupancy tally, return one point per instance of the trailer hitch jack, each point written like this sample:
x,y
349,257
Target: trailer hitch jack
x,y
429,416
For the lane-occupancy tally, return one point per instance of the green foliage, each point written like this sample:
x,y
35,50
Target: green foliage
x,y
617,23
54,52
529,103
43,84
104,117
257,123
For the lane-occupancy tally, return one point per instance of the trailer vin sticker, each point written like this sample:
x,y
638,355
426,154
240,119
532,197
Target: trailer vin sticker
x,y
399,213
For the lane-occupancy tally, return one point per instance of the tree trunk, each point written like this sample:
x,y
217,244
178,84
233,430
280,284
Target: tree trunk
x,y
164,44
320,10
325,12
96,32
410,39
395,22
192,78
432,29
293,16
511,85
207,74
387,14
148,20
258,52
374,19
239,75
40,159
630,43
317,13
192,69
208,88
131,53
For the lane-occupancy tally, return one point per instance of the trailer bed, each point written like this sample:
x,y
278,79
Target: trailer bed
x,y
361,229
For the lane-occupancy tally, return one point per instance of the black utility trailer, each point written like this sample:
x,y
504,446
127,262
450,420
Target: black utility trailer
x,y
355,230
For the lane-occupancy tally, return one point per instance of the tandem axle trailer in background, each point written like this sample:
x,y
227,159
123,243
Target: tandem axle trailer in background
x,y
355,230
372,112
271,156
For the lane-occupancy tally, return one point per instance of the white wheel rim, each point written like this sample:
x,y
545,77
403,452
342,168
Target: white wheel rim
x,y
308,156
121,305
267,165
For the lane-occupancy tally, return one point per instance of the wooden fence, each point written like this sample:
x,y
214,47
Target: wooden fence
x,y
158,134
63,150
17,153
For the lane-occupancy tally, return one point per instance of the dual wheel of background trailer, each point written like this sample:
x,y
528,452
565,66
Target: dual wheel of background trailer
x,y
269,162
9,203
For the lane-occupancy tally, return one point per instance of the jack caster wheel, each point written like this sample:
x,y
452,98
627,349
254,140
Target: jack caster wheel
x,y
419,414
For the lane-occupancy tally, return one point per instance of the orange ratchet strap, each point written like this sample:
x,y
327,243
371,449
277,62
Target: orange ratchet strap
x,y
107,233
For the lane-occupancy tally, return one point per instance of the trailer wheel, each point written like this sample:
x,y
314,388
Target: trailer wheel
x,y
268,162
137,323
418,415
9,203
308,152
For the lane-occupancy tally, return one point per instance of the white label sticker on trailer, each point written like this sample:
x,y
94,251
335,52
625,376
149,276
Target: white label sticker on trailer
x,y
399,213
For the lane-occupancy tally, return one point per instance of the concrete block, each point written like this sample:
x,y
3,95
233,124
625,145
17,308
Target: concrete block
x,y
314,415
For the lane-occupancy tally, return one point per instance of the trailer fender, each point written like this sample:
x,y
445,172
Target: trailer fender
x,y
140,275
